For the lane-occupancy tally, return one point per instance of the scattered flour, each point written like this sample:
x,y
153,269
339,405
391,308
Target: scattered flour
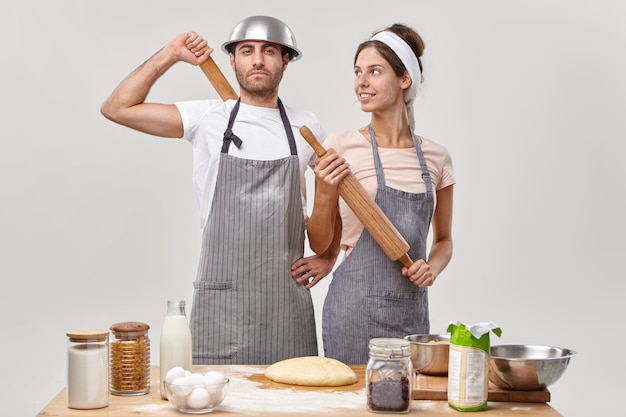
x,y
245,396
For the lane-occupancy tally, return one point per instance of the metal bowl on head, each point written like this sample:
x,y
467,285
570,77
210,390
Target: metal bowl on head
x,y
264,28
430,353
527,367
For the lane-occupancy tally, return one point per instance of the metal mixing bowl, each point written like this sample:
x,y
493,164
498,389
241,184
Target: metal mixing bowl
x,y
429,353
264,28
527,367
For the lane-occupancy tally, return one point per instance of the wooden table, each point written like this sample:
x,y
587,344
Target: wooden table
x,y
250,393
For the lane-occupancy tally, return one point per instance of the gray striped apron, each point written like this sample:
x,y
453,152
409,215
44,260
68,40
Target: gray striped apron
x,y
368,296
247,309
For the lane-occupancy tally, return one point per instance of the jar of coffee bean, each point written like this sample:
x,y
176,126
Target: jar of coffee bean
x,y
388,376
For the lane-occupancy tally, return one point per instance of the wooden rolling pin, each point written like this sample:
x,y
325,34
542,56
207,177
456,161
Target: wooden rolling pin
x,y
350,189
366,209
217,79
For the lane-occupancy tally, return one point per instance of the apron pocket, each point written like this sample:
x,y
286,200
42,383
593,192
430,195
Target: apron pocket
x,y
399,313
215,322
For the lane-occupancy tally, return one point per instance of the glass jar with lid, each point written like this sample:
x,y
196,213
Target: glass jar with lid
x,y
388,376
87,369
129,372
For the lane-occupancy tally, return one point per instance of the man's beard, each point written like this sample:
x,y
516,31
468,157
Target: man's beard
x,y
263,88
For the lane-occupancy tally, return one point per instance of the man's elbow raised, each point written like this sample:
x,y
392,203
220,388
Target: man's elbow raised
x,y
107,111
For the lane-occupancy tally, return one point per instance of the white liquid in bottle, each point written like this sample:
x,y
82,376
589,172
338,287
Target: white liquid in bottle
x,y
175,342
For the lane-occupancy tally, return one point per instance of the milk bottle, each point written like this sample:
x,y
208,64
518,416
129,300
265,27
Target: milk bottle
x,y
175,341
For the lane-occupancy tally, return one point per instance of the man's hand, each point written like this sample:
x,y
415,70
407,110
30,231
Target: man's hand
x,y
311,270
190,48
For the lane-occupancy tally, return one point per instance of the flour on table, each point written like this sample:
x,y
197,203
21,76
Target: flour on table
x,y
245,396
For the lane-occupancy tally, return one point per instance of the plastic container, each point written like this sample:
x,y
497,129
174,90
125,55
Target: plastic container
x,y
87,369
388,376
129,359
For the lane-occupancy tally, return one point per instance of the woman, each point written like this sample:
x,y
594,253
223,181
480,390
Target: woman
x,y
412,180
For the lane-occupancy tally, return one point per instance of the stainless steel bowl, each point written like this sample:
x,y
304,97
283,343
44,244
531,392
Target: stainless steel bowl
x,y
430,353
527,367
264,28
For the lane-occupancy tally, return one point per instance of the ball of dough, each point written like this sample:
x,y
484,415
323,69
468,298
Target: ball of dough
x,y
315,371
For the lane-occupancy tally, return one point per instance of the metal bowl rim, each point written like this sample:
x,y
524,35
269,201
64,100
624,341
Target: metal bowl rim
x,y
431,336
566,353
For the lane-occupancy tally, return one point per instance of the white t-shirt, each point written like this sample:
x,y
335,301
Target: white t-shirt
x,y
401,167
260,129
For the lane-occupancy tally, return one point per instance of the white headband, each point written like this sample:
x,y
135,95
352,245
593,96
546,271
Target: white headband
x,y
409,59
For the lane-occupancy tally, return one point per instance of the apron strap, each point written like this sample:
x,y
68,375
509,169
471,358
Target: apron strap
x,y
425,173
229,136
380,173
290,137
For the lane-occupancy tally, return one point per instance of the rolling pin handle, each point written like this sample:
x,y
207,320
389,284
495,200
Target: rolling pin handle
x,y
406,260
218,80
312,141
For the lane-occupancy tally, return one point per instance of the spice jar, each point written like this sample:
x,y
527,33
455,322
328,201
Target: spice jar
x,y
129,359
388,376
87,369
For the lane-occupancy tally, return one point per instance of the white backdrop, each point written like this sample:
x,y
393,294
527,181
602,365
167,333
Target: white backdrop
x,y
99,223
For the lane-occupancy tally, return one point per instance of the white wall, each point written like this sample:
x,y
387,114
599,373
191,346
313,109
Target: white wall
x,y
99,224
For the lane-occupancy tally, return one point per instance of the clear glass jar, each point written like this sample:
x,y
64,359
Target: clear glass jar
x,y
129,359
388,376
87,369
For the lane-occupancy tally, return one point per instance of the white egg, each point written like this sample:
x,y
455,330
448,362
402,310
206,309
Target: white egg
x,y
181,387
199,398
196,379
172,374
213,381
216,397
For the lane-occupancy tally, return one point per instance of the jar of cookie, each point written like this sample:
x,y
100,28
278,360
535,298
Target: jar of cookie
x,y
129,365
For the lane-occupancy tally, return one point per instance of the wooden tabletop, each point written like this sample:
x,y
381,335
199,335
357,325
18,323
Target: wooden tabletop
x,y
251,394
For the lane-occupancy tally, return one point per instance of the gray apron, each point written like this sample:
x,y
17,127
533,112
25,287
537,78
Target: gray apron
x,y
247,309
368,295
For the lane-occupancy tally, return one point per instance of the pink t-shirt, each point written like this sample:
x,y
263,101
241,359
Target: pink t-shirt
x,y
402,171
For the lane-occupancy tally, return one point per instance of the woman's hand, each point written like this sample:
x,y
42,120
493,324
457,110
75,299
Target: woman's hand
x,y
330,170
419,274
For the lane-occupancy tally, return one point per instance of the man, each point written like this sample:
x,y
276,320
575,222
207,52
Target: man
x,y
251,302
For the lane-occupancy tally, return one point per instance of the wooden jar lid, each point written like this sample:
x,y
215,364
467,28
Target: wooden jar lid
x,y
88,335
129,327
